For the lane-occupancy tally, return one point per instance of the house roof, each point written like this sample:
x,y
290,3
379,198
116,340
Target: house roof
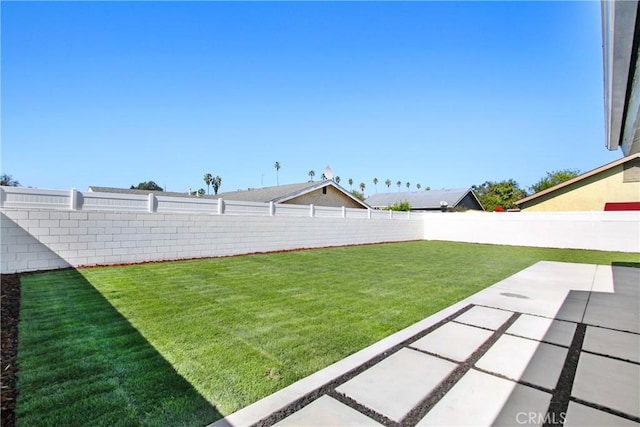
x,y
620,33
97,189
283,193
579,178
421,199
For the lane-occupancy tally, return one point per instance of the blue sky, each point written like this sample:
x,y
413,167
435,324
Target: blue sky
x,y
445,94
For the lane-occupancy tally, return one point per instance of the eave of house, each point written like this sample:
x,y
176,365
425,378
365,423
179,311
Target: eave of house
x,y
620,35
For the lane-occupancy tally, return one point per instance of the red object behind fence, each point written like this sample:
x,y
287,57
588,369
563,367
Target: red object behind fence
x,y
622,206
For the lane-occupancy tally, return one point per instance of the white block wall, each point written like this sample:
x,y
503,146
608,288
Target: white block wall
x,y
605,231
39,239
42,239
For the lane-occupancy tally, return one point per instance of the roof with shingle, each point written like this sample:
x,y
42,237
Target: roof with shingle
x,y
269,194
430,199
282,193
97,189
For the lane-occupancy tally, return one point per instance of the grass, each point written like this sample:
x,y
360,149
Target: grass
x,y
185,343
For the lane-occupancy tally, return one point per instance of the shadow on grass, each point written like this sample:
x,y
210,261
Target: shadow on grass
x,y
82,363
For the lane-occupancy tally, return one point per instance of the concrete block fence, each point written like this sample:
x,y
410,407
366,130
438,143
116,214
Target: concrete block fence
x,y
50,229
39,239
74,200
604,231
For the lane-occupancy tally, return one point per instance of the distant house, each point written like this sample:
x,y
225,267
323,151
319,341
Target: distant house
x,y
614,186
98,189
318,193
431,200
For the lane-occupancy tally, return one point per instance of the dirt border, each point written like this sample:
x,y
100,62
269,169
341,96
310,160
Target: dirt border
x,y
9,316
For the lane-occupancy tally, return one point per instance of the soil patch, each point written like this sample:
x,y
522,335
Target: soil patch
x,y
9,313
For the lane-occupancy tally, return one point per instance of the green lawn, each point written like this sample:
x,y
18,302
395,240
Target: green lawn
x,y
184,343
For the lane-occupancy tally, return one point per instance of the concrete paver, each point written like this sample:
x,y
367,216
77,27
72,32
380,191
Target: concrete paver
x,y
327,411
522,359
623,345
544,301
453,340
561,275
484,317
395,385
483,399
543,329
603,279
572,308
608,382
584,416
613,311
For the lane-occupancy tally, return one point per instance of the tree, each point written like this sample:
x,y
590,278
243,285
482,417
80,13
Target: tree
x,y
200,192
375,183
277,166
427,188
337,179
399,184
358,195
408,185
388,184
503,194
362,186
554,178
418,186
351,183
147,185
217,182
8,181
311,174
403,206
208,179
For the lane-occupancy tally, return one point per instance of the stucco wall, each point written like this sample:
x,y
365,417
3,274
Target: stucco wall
x,y
590,194
37,239
332,198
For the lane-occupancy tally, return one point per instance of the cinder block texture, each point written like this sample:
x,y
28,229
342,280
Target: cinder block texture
x,y
139,237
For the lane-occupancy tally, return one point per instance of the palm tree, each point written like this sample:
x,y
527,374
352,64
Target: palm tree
x,y
277,166
388,184
337,179
217,182
418,186
408,185
208,179
351,183
362,186
375,182
311,174
399,184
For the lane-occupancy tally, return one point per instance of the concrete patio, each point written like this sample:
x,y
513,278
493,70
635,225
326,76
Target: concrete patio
x,y
555,344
